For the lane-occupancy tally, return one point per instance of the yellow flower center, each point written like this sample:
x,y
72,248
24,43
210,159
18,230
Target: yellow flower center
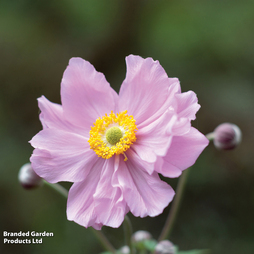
x,y
113,134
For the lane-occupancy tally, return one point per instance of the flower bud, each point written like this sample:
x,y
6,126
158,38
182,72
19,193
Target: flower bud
x,y
28,178
165,247
125,250
140,236
227,136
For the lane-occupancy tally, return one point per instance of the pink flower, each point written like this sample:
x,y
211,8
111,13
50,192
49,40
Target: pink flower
x,y
113,146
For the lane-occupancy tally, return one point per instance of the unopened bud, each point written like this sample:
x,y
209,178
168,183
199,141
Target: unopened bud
x,y
125,250
141,236
28,178
165,247
227,136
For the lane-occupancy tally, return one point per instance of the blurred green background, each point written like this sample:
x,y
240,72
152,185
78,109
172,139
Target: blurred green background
x,y
208,45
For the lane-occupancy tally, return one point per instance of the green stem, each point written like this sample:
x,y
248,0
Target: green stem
x,y
210,136
98,233
128,233
57,187
174,208
103,240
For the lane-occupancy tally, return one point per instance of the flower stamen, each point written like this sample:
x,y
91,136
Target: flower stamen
x,y
125,157
113,134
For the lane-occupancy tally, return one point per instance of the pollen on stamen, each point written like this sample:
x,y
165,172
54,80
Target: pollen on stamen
x,y
113,134
125,157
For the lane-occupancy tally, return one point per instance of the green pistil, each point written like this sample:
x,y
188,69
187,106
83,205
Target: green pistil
x,y
113,135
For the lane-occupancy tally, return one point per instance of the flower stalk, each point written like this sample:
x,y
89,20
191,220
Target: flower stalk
x,y
128,233
174,208
210,136
58,188
98,233
103,240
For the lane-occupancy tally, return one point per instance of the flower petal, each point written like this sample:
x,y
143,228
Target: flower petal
x,y
51,116
61,156
141,162
85,93
80,203
145,194
154,139
110,206
180,127
183,153
95,201
147,85
187,105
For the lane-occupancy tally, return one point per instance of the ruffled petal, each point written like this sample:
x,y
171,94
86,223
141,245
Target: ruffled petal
x,y
61,156
147,84
166,168
187,105
141,162
145,194
154,139
85,94
180,127
80,203
95,202
51,116
110,206
183,153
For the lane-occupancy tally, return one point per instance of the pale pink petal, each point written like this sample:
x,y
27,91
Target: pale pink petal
x,y
154,139
166,168
180,127
183,153
145,194
145,88
52,116
169,105
80,204
85,94
61,156
95,201
144,152
141,162
110,206
187,105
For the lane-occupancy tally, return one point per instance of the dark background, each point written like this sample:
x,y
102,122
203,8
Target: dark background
x,y
208,45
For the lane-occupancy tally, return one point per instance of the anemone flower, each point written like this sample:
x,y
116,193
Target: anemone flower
x,y
113,147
